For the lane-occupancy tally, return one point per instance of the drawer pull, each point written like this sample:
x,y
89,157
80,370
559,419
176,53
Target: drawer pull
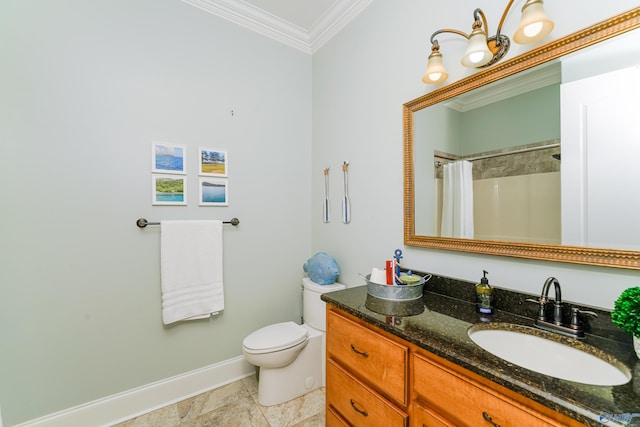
x,y
363,412
361,353
488,418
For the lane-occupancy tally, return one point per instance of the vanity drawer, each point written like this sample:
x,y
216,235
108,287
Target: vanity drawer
x,y
423,417
357,404
377,360
472,404
333,419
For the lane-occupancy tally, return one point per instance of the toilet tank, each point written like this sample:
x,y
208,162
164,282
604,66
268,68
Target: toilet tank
x,y
313,308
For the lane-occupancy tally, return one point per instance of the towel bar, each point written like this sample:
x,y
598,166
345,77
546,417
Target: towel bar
x,y
142,222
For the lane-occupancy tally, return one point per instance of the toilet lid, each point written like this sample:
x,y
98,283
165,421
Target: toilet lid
x,y
275,337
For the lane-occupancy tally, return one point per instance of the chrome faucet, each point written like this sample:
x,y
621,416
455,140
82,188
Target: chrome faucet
x,y
574,329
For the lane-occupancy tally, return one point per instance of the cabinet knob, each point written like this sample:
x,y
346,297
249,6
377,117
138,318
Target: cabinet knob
x,y
488,418
355,407
361,353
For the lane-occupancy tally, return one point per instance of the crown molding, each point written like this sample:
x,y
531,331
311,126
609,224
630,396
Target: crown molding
x,y
269,25
507,88
333,20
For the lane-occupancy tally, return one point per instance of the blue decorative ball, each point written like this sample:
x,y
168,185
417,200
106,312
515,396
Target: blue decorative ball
x,y
322,269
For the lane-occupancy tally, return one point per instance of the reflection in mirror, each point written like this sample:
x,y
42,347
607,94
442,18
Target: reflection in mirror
x,y
509,132
547,154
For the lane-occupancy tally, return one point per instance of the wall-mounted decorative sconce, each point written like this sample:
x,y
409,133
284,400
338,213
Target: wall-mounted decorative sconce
x,y
482,50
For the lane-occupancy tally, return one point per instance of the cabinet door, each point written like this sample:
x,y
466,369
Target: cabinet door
x,y
372,357
357,404
465,402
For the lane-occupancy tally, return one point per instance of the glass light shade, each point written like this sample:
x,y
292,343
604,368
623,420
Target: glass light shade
x,y
435,72
534,24
477,53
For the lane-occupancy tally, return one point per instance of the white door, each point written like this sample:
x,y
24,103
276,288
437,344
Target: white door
x,y
600,173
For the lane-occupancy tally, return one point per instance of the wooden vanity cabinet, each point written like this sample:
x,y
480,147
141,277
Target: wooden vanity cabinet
x,y
367,374
377,379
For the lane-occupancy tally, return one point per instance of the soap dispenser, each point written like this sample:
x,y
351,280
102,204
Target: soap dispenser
x,y
484,295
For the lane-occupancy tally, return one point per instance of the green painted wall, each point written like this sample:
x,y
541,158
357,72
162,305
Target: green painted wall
x,y
86,86
523,119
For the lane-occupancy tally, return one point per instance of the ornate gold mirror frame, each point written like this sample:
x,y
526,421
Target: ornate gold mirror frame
x,y
571,254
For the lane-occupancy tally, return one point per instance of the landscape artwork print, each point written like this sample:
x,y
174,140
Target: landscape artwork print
x,y
169,190
214,192
213,162
167,158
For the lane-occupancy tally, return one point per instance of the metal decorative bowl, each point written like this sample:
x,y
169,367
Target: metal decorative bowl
x,y
396,292
401,308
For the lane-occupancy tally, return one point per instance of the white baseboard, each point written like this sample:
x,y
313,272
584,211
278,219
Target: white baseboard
x,y
128,404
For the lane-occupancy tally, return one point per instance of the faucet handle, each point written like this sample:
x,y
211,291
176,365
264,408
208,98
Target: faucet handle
x,y
576,311
575,320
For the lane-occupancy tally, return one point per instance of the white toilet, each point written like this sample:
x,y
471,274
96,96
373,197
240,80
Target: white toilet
x,y
291,357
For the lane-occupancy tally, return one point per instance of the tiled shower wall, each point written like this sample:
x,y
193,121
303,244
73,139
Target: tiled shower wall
x,y
516,197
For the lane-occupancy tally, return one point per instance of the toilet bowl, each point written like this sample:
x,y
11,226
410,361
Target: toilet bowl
x,y
275,346
291,357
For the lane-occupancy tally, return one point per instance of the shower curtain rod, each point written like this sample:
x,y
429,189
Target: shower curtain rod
x,y
506,153
142,223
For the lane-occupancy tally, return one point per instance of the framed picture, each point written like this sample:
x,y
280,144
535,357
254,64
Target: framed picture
x,y
214,192
168,189
213,162
167,158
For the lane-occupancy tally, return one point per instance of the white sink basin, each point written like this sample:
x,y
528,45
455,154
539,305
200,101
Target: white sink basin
x,y
519,345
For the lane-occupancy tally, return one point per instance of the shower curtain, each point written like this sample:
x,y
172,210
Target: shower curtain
x,y
457,200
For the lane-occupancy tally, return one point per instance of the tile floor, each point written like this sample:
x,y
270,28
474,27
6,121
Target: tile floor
x,y
236,405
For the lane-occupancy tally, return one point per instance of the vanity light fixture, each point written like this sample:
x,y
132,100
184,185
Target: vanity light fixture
x,y
482,50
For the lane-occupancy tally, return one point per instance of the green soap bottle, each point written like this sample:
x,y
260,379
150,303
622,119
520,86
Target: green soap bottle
x,y
484,295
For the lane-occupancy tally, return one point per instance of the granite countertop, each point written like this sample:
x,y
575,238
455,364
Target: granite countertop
x,y
438,323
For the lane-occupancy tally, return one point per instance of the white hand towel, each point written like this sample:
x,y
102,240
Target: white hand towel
x,y
191,269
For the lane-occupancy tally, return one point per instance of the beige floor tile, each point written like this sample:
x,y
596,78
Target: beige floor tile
x,y
317,420
295,411
251,384
217,398
243,413
236,405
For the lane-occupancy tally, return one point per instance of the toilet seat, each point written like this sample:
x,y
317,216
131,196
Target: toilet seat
x,y
276,337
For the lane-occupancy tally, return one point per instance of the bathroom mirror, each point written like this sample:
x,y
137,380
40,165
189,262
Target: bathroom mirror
x,y
574,238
